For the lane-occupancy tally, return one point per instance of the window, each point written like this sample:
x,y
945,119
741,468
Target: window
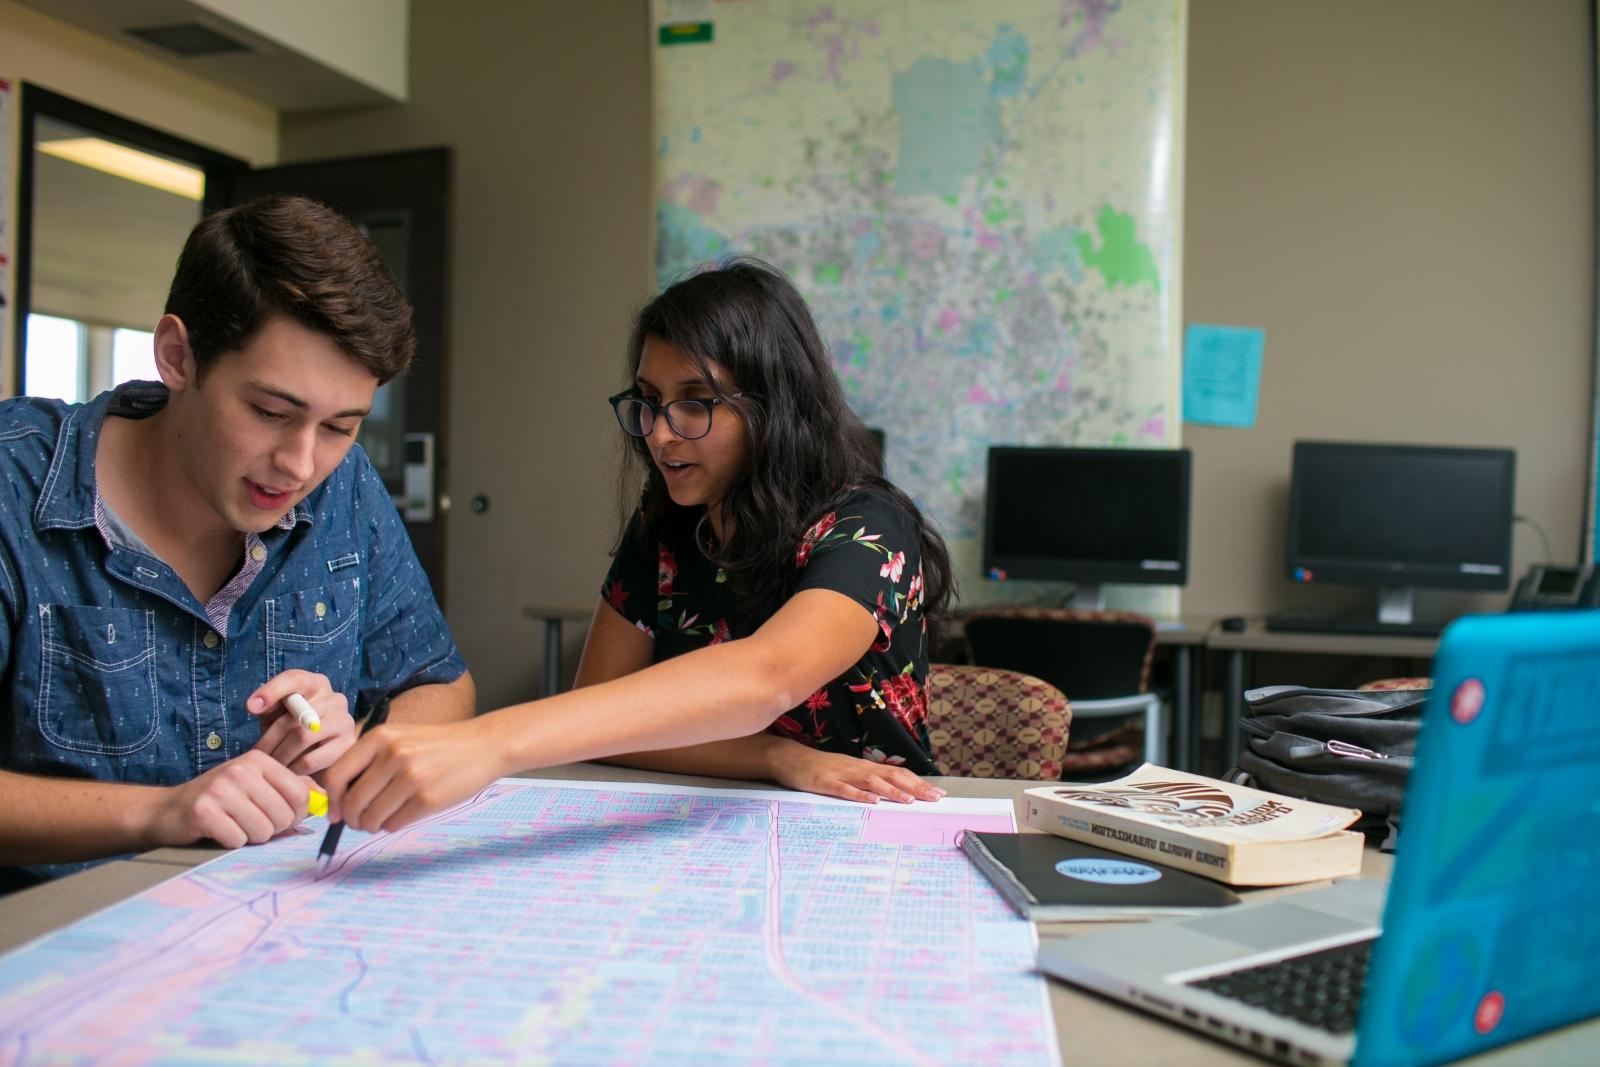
x,y
57,359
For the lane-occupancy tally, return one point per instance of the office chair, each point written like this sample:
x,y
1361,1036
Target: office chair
x,y
1099,659
988,723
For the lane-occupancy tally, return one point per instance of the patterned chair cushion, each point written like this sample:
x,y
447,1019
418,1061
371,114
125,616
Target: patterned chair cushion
x,y
1385,684
984,722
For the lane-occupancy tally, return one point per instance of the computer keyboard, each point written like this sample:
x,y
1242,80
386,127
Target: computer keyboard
x,y
1319,989
1308,622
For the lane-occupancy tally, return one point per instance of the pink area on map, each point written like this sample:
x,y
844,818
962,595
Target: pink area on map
x,y
835,50
949,319
915,828
1094,14
1063,384
988,241
694,191
979,395
781,70
1155,428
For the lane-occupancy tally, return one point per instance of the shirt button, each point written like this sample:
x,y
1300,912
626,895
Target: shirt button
x,y
210,639
322,609
213,742
258,553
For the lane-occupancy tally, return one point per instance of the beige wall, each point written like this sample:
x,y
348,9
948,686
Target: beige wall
x,y
547,109
42,51
1400,193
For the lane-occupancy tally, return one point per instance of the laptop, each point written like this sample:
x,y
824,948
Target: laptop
x,y
1489,928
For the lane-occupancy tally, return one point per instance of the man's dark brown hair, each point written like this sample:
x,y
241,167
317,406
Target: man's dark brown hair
x,y
286,255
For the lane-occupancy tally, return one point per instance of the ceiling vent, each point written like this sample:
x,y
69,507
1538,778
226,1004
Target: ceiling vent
x,y
188,39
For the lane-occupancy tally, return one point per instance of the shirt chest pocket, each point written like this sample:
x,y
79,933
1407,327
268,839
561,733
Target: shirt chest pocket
x,y
97,679
316,630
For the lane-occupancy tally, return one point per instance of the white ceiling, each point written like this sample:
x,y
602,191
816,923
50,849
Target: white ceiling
x,y
270,71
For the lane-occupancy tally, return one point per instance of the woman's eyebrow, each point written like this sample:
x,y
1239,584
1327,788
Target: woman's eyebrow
x,y
639,379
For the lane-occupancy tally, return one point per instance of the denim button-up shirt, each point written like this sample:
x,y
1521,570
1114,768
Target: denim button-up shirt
x,y
114,670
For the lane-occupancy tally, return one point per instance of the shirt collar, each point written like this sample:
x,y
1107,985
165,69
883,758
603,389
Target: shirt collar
x,y
70,492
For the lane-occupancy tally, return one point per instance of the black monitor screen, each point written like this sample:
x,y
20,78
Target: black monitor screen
x,y
1087,514
1401,515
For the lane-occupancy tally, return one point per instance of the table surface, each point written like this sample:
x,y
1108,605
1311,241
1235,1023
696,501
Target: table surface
x,y
1090,1029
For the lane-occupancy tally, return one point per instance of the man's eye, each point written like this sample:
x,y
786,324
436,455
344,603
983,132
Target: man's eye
x,y
270,416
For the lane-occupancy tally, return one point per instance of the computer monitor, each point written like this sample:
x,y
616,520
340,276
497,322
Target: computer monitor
x,y
1087,515
1401,516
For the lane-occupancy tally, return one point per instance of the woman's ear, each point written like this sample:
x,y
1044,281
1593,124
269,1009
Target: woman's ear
x,y
174,356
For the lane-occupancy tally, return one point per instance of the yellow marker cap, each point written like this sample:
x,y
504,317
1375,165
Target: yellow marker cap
x,y
316,727
318,803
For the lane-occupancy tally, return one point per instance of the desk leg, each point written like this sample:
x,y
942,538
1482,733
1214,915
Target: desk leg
x,y
1182,706
1232,708
550,670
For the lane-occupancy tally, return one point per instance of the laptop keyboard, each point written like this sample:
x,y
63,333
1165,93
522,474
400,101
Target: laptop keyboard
x,y
1320,989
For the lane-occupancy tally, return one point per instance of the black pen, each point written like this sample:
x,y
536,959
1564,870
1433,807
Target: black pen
x,y
379,704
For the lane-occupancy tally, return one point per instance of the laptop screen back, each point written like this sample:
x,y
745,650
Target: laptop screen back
x,y
1492,927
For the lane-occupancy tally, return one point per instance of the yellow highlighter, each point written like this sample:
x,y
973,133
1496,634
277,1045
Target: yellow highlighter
x,y
318,803
303,712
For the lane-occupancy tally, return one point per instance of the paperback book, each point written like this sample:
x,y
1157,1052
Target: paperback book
x,y
1048,878
1231,833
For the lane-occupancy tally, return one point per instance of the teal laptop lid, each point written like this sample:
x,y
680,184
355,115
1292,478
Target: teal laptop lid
x,y
1491,930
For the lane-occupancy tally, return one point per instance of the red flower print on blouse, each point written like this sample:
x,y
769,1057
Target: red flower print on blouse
x,y
666,570
906,701
809,540
788,726
720,634
891,569
881,613
615,595
818,700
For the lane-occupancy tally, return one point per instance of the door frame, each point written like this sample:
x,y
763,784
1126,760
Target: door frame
x,y
34,101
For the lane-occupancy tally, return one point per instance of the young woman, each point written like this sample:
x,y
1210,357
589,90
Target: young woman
x,y
765,615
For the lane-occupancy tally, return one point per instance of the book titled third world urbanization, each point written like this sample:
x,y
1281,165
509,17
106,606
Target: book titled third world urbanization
x,y
1232,833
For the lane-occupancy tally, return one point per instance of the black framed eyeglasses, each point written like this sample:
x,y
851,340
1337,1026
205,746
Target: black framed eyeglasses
x,y
689,418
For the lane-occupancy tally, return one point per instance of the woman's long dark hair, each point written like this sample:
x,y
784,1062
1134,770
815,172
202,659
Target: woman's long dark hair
x,y
807,449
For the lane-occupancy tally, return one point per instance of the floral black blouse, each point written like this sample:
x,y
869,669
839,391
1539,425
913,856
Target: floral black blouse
x,y
865,549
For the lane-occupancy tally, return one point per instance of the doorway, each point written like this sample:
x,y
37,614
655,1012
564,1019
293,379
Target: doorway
x,y
104,204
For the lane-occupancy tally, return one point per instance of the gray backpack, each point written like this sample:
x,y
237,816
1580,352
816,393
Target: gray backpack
x,y
1338,746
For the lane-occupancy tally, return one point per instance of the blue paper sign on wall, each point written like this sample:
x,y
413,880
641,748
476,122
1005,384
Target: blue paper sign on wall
x,y
1222,374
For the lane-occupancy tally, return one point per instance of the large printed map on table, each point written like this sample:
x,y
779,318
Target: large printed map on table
x,y
571,922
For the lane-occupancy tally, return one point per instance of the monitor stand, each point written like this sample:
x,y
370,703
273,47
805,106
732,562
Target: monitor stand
x,y
1089,596
1394,605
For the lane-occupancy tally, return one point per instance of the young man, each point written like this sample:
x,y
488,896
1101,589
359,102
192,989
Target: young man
x,y
177,559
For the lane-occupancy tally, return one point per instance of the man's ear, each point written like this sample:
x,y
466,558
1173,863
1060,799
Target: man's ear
x,y
174,356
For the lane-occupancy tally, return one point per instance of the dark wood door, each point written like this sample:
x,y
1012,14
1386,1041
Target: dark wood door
x,y
401,202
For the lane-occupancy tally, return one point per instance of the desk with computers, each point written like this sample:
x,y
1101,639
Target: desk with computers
x,y
1394,518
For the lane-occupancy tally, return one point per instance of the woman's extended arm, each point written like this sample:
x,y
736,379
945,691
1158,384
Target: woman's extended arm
x,y
727,690
615,647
